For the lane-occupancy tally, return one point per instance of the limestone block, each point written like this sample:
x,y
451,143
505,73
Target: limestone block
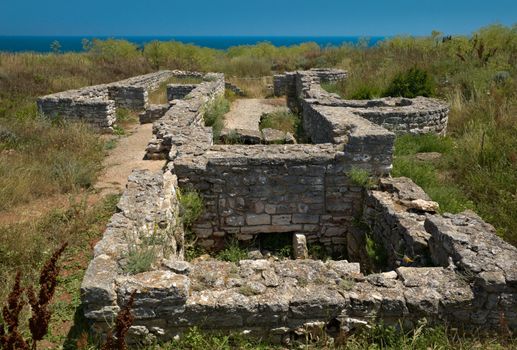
x,y
300,246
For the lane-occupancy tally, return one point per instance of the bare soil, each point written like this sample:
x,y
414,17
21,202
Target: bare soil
x,y
246,113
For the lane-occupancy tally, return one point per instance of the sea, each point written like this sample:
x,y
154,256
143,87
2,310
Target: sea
x,y
74,43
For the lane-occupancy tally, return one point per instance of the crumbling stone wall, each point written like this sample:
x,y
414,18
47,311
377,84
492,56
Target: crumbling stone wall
x,y
181,129
475,286
96,105
152,113
401,115
256,189
282,82
444,268
179,91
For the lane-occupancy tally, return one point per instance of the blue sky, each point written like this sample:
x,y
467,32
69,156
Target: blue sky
x,y
247,17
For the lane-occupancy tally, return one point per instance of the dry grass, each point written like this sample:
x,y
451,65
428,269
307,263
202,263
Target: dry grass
x,y
253,87
159,95
40,158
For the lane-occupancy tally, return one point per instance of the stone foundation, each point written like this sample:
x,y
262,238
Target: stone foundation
x,y
449,269
181,129
96,105
401,115
179,91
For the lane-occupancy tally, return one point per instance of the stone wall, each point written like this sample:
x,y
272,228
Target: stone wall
x,y
181,129
474,285
401,115
235,89
146,220
179,91
96,105
325,75
395,214
446,268
256,189
152,113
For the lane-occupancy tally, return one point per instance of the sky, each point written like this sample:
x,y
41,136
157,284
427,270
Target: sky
x,y
251,18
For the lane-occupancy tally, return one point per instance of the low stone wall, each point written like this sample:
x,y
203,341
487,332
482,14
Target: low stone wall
x,y
446,268
152,113
96,111
181,129
146,222
278,301
96,105
395,214
282,85
256,189
401,115
179,91
235,89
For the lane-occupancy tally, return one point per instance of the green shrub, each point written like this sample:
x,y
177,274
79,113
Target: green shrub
x,y
191,207
232,253
376,253
412,83
364,92
361,177
214,116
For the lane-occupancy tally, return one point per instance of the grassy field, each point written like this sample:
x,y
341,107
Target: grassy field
x,y
42,159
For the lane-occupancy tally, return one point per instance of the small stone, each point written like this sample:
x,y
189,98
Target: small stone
x,y
177,266
273,136
270,278
423,205
255,254
300,250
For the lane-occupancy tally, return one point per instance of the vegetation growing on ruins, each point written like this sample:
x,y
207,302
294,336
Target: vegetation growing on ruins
x,y
381,336
143,250
284,121
361,177
214,115
476,168
191,207
233,252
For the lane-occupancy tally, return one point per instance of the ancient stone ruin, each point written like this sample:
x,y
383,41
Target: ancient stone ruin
x,y
447,269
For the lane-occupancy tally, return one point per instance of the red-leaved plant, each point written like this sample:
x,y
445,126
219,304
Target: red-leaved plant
x,y
10,337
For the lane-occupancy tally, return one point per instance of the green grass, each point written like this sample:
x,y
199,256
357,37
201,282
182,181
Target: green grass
x,y
214,115
378,337
232,253
284,121
431,175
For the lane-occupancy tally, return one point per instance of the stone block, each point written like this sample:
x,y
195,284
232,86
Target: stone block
x,y
300,246
258,219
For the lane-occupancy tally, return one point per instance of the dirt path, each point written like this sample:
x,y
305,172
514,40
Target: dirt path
x,y
124,158
245,113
